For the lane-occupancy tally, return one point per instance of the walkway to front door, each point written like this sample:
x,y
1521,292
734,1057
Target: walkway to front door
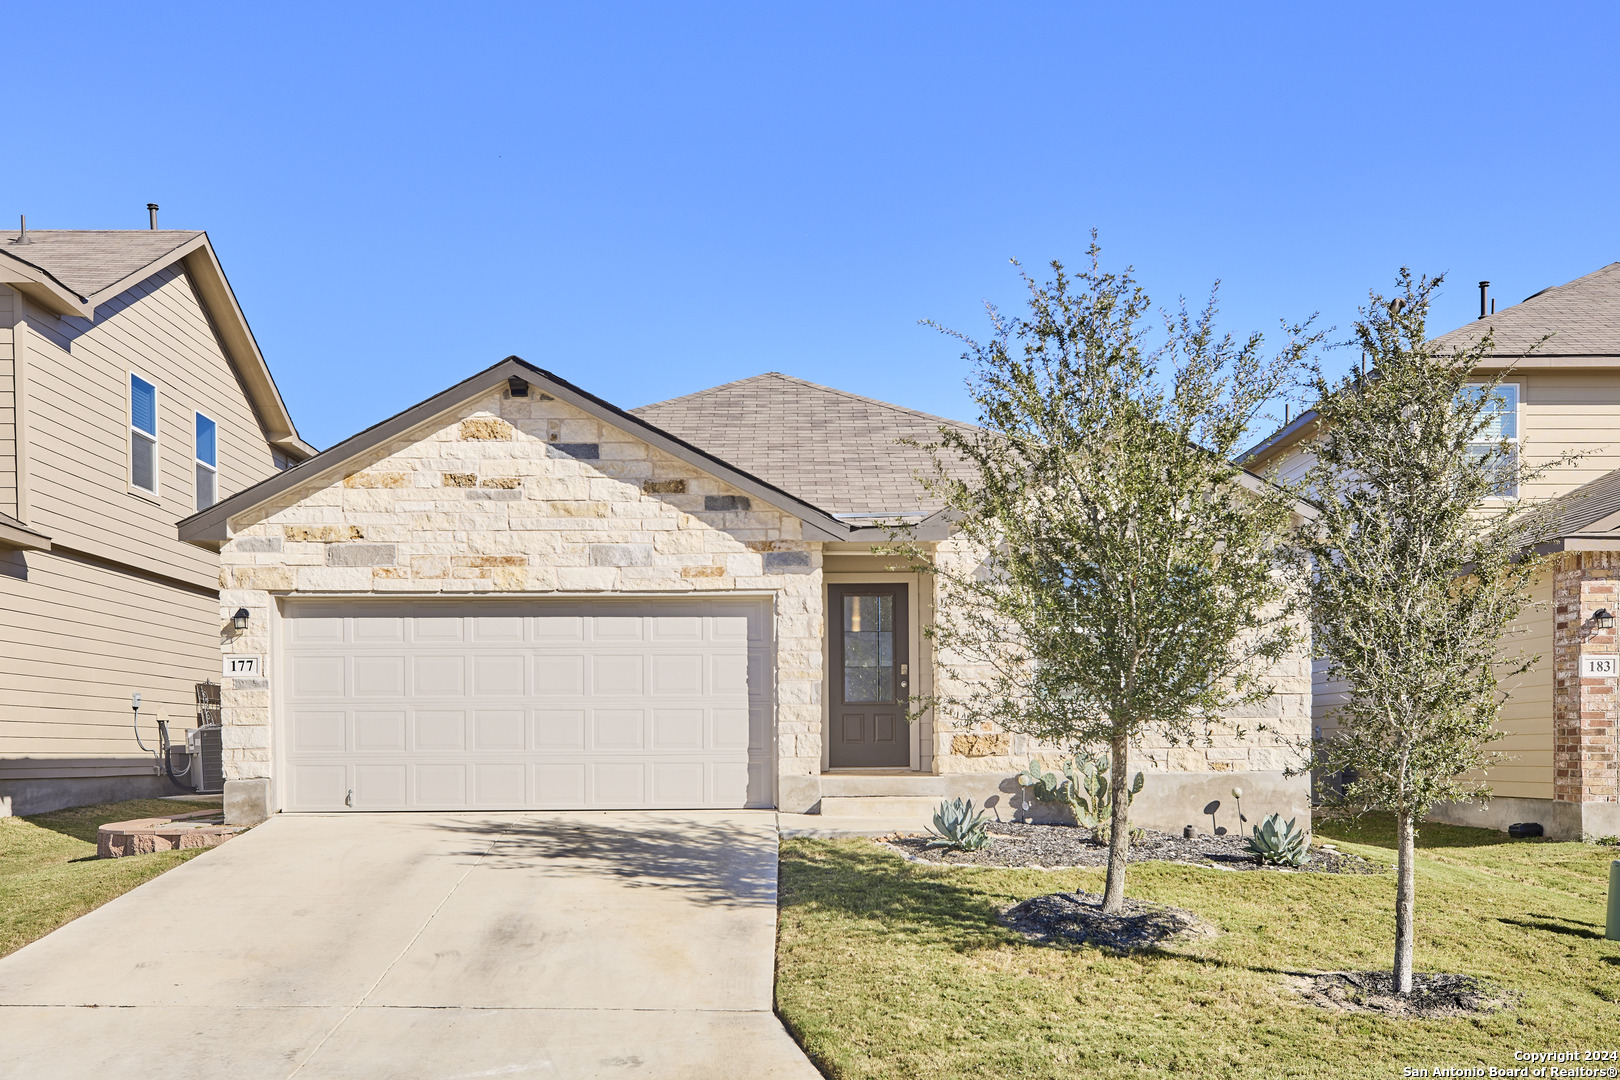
x,y
870,677
588,944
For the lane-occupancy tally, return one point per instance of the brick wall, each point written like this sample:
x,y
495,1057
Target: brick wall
x,y
1584,725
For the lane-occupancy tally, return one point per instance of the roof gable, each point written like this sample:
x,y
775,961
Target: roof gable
x,y
72,272
212,525
835,449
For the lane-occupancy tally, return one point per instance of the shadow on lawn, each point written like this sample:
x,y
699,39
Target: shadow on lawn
x,y
1553,928
923,903
1378,830
81,822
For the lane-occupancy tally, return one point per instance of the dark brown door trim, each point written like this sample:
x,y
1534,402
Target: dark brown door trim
x,y
868,676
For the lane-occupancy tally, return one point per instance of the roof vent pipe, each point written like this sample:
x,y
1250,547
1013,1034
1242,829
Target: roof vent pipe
x,y
1484,289
22,231
151,215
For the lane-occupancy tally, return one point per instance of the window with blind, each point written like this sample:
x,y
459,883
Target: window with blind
x,y
207,462
143,435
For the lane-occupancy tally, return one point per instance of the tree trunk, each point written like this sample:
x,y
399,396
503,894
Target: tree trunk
x,y
1405,901
1119,828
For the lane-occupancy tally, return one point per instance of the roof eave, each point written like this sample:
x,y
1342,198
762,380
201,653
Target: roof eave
x,y
17,536
40,287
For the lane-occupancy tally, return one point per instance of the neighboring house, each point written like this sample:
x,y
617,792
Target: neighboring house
x,y
1561,744
517,595
132,395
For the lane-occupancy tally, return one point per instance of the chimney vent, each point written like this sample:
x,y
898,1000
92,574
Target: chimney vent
x,y
151,215
1484,289
22,231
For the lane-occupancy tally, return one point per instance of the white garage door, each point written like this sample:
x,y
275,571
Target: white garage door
x,y
488,704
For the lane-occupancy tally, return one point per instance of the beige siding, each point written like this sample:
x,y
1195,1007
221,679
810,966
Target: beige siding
x,y
1526,770
78,415
1570,411
76,640
8,409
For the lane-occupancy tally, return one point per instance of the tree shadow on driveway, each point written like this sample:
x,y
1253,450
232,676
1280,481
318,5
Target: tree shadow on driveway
x,y
711,862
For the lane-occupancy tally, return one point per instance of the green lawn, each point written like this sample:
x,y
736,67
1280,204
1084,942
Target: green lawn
x,y
49,873
887,968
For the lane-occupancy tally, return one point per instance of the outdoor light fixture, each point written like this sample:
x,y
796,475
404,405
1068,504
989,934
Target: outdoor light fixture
x,y
1602,619
240,619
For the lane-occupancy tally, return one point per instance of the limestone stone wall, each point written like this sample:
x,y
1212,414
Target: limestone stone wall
x,y
985,748
521,496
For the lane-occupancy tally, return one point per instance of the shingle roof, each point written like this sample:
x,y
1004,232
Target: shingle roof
x,y
1589,504
1582,316
86,261
829,447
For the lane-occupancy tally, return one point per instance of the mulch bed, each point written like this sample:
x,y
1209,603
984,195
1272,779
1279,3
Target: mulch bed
x,y
1076,918
1433,996
1052,847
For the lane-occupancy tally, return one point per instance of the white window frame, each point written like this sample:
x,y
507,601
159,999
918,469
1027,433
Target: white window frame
x,y
132,432
1517,438
199,463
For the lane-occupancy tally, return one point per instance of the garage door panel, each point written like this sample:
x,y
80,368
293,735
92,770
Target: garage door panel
x,y
618,785
558,675
315,730
318,787
441,705
441,785
439,676
675,674
318,676
679,783
613,673
618,729
379,676
559,729
499,729
379,730
380,786
560,786
500,784
678,729
440,729
498,676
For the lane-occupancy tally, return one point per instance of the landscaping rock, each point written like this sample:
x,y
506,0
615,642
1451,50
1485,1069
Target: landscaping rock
x,y
143,836
1433,996
1052,847
1077,918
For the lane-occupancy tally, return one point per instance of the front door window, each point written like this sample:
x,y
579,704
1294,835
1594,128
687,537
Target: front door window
x,y
868,649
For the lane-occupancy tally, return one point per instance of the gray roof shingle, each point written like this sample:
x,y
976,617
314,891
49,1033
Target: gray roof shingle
x,y
831,448
86,261
1582,316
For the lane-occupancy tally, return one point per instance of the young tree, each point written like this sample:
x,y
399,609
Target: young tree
x,y
1123,575
1420,567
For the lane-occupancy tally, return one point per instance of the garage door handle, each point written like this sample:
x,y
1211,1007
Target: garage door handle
x,y
348,800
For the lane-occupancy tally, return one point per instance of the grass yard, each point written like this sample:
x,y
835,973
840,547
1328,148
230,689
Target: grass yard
x,y
887,968
49,873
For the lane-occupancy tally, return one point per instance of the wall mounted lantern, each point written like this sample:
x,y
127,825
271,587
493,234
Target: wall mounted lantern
x,y
1602,619
240,619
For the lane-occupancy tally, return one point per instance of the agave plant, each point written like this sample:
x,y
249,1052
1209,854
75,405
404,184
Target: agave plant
x,y
958,826
1280,843
1083,787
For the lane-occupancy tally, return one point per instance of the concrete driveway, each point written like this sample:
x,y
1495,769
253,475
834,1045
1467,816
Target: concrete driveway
x,y
423,946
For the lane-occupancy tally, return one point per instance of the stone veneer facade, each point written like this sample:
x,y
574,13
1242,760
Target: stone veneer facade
x,y
500,497
492,500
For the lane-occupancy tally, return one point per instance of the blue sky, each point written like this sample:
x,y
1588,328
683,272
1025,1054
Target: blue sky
x,y
650,200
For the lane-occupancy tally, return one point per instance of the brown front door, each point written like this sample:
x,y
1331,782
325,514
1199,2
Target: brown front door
x,y
870,677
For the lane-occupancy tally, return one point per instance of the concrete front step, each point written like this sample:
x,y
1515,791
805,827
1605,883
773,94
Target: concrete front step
x,y
860,785
879,806
832,828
